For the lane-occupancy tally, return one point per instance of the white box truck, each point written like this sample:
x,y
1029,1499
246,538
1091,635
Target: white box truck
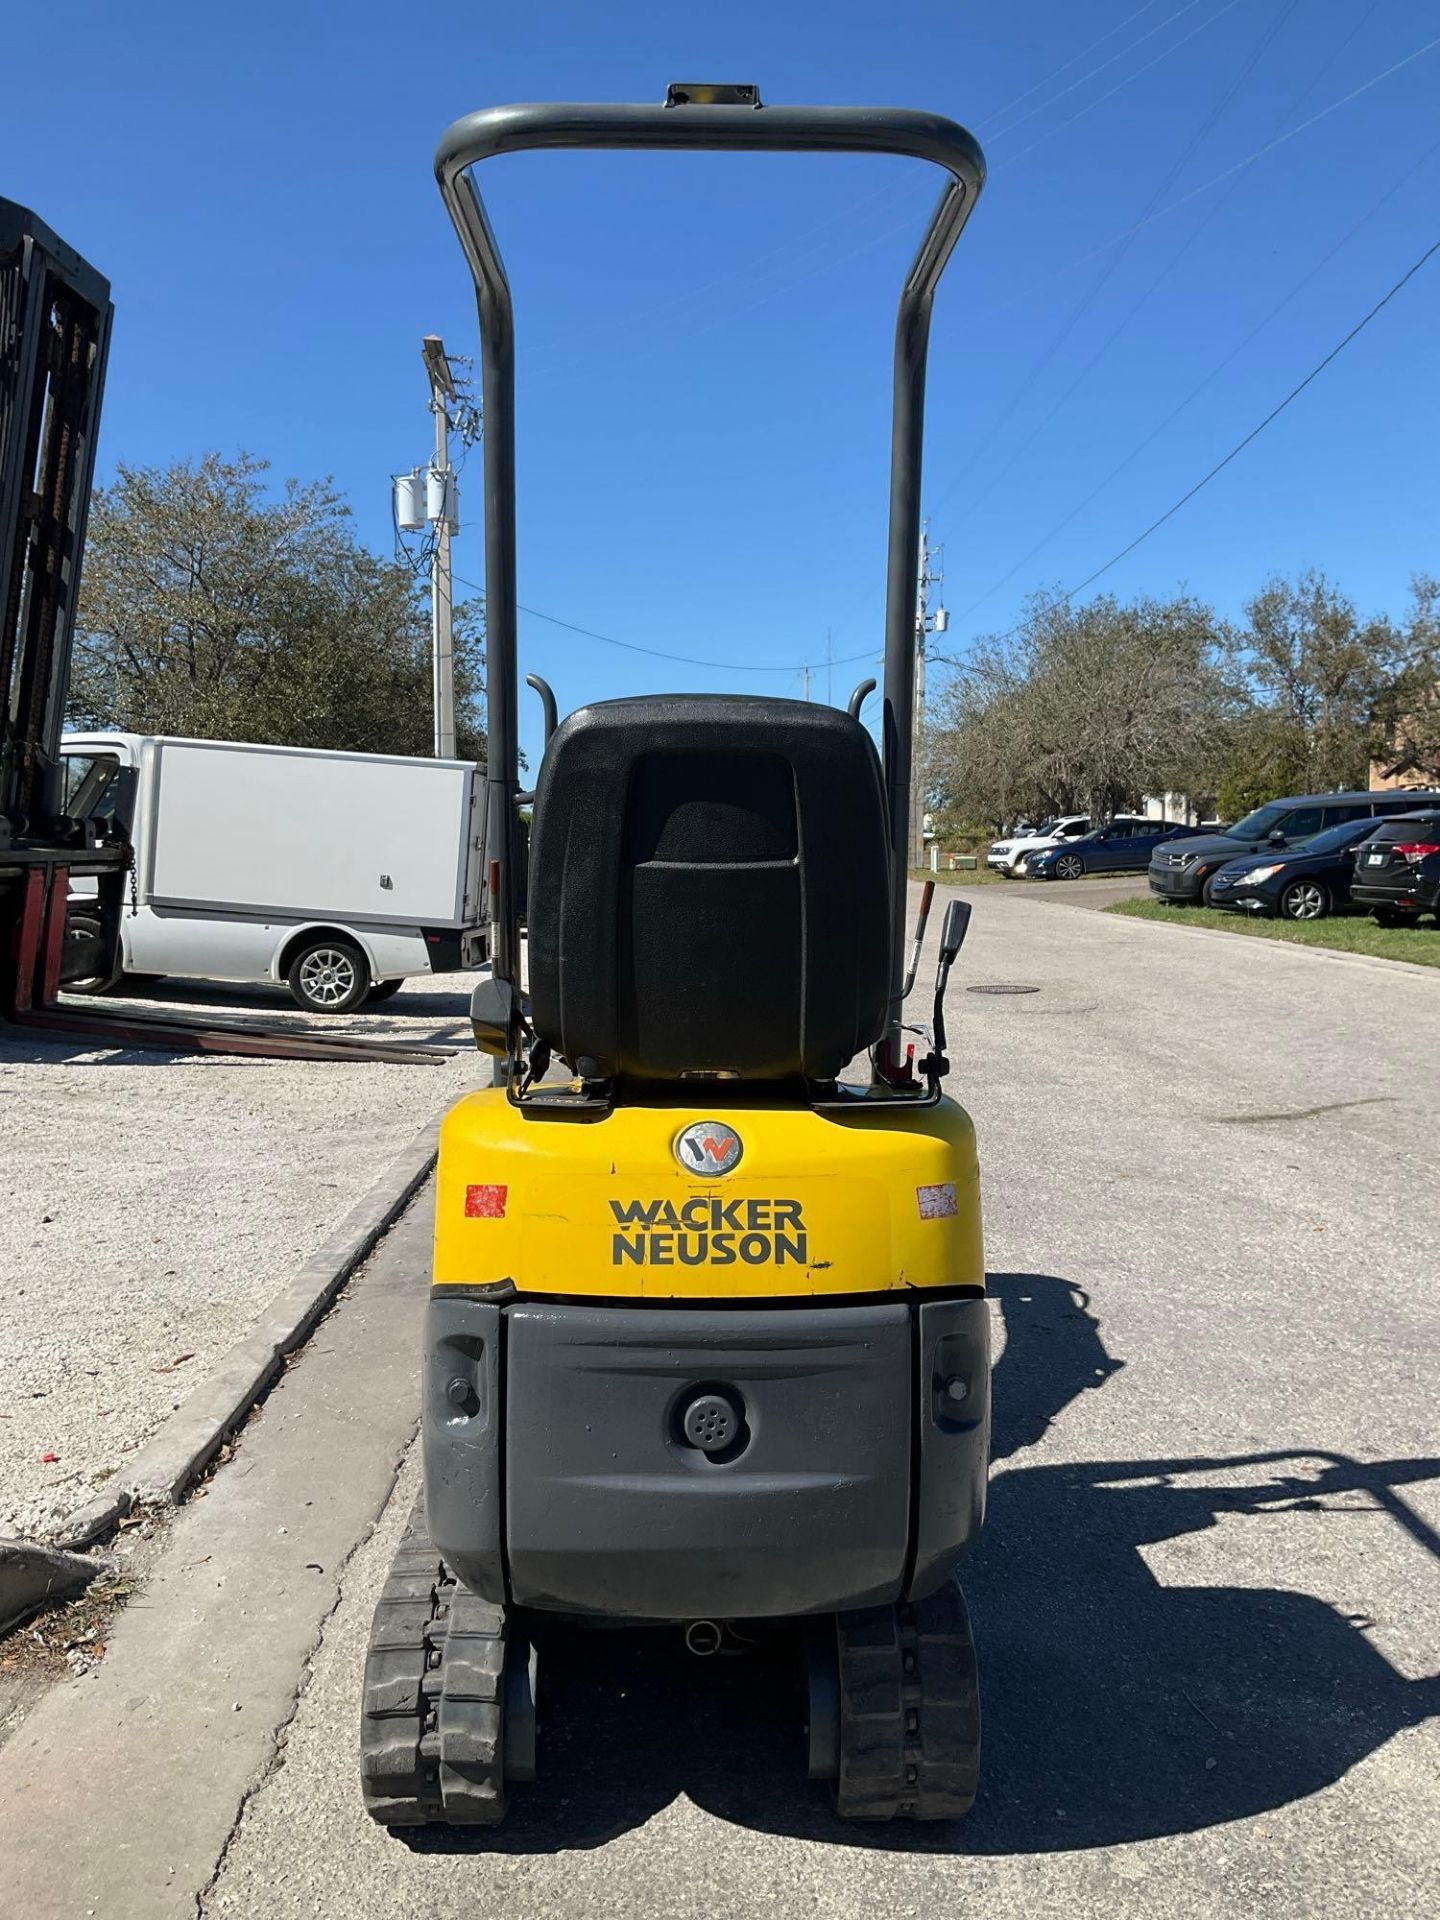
x,y
339,874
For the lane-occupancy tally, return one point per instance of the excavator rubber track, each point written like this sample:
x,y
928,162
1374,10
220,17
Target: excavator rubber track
x,y
909,1710
432,1722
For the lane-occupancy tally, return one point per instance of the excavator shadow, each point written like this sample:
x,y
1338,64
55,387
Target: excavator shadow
x,y
1116,1708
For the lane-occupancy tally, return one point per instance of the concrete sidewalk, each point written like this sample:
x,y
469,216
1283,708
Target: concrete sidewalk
x,y
119,1792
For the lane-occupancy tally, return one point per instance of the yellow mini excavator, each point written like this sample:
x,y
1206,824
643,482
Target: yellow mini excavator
x,y
707,1342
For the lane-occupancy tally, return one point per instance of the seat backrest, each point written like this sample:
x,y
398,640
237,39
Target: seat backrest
x,y
709,889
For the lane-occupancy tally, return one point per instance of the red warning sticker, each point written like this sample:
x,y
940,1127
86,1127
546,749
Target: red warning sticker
x,y
939,1202
485,1203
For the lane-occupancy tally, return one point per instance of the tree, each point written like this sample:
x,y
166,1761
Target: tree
x,y
1266,757
1410,712
1084,708
1324,684
212,608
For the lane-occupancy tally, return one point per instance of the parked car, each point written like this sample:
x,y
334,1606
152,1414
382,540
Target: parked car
x,y
1183,875
1398,875
1125,846
1006,856
1307,882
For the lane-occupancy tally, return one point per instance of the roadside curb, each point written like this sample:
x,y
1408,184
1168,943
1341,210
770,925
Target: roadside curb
x,y
166,1464
31,1575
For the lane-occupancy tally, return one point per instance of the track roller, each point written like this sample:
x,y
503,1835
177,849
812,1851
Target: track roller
x,y
894,1715
449,1685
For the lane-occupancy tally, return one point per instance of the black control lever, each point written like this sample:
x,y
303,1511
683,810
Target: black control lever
x,y
952,938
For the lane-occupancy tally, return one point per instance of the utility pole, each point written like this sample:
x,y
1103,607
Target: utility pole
x,y
440,506
925,624
807,685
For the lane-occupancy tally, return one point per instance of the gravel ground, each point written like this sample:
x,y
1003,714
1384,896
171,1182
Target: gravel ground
x,y
155,1204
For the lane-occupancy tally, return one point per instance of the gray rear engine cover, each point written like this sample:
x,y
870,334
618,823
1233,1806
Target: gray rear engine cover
x,y
612,1508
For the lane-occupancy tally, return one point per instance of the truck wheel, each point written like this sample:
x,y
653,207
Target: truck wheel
x,y
328,976
382,990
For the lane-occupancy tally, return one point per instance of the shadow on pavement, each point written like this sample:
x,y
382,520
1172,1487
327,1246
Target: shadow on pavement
x,y
1116,1709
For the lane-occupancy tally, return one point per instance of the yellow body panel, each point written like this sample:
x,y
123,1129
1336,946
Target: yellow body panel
x,y
819,1203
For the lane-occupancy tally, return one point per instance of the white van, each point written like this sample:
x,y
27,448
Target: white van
x,y
339,874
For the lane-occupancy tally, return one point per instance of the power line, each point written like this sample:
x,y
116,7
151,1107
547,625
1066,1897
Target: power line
x,y
1238,166
1229,173
731,666
1239,448
1110,92
1240,445
786,259
784,255
1255,432
1184,200
656,653
1093,253
1107,272
1328,62
1214,372
1074,61
866,246
728,666
1212,213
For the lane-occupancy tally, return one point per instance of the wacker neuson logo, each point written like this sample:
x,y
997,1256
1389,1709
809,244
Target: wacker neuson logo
x,y
709,1233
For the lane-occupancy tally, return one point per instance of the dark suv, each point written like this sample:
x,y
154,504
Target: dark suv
x,y
1180,873
1397,871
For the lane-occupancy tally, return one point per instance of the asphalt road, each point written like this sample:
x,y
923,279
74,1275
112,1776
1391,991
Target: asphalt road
x,y
1206,1600
1096,894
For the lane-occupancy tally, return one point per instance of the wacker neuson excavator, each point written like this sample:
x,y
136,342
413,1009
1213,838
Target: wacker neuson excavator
x,y
707,1342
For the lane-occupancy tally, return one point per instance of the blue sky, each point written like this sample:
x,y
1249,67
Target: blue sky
x,y
705,341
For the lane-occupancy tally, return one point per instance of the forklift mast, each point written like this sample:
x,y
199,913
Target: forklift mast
x,y
55,315
726,118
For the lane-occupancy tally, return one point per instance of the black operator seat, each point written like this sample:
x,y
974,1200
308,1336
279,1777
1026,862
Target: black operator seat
x,y
709,890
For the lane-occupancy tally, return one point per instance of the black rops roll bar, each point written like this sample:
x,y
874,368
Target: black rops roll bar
x,y
731,119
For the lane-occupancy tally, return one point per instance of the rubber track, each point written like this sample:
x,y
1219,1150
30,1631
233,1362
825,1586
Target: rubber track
x,y
909,1711
431,1739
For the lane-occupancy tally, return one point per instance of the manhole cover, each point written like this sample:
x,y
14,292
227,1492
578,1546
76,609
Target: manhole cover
x,y
1002,986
